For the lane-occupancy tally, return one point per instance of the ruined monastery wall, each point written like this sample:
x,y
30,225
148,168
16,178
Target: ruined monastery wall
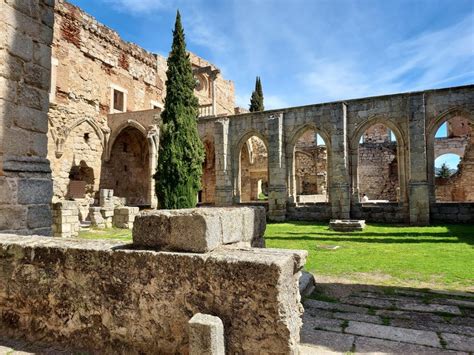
x,y
26,30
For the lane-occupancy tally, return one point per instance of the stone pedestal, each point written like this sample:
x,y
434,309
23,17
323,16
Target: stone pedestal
x,y
65,219
347,225
124,217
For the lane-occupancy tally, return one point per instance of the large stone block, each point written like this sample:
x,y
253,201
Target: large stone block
x,y
35,191
199,230
133,301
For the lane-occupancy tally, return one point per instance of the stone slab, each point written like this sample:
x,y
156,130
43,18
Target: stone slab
x,y
458,342
420,337
334,306
364,345
307,283
199,230
321,323
327,341
422,307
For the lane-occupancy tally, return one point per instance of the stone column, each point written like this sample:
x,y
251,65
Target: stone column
x,y
206,335
26,31
418,191
277,189
339,187
224,189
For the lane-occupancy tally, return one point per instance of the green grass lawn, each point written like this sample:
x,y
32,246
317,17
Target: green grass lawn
x,y
437,257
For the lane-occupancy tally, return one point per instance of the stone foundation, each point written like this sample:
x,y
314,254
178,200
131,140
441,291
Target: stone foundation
x,y
65,219
452,212
100,297
309,212
390,212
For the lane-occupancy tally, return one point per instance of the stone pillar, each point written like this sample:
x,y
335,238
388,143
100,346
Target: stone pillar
x,y
339,187
224,189
26,31
418,191
277,189
206,335
65,219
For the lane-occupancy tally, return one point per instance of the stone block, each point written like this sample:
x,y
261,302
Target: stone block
x,y
39,216
34,191
347,225
206,335
199,230
254,291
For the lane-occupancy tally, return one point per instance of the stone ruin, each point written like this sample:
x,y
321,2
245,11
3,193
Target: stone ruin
x,y
190,282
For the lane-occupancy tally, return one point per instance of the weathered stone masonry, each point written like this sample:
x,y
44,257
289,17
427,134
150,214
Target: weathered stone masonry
x,y
94,74
26,30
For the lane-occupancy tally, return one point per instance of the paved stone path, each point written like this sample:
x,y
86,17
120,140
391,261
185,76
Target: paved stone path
x,y
382,320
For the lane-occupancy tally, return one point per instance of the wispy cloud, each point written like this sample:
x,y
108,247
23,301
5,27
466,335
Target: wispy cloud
x,y
424,61
138,6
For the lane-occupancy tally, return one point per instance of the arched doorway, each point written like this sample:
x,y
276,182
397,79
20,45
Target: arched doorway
x,y
253,170
378,164
127,171
452,166
310,157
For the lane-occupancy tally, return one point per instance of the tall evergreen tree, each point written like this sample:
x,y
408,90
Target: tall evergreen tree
x,y
256,100
181,152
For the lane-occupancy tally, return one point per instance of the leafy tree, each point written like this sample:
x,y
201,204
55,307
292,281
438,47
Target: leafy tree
x,y
256,100
181,152
444,171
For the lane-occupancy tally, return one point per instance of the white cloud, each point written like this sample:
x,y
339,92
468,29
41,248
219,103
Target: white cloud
x,y
274,102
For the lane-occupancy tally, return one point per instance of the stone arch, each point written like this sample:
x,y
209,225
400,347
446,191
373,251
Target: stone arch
x,y
61,135
291,161
401,155
237,160
119,130
431,129
128,171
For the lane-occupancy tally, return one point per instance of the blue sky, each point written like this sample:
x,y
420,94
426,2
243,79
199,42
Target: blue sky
x,y
309,51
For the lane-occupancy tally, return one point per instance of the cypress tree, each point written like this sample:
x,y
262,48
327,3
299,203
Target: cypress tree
x,y
256,100
181,152
444,171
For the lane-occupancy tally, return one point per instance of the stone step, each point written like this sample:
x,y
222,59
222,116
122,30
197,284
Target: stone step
x,y
436,327
412,336
458,342
322,323
364,345
327,341
310,303
407,304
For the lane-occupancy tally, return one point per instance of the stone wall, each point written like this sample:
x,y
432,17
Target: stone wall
x,y
90,61
378,170
311,165
25,53
309,212
459,186
100,297
381,212
452,212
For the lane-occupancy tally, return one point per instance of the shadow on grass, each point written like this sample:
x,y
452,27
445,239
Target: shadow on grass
x,y
454,234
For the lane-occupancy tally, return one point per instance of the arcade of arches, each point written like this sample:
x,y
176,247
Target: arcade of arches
x,y
313,162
